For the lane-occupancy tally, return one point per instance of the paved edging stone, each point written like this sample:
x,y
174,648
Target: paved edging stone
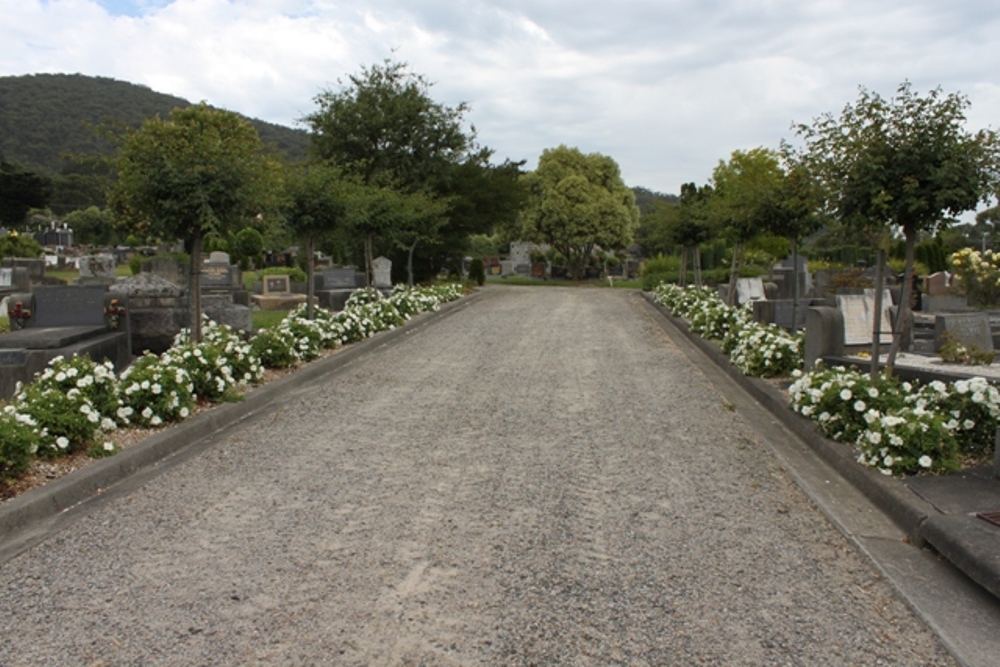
x,y
952,536
21,513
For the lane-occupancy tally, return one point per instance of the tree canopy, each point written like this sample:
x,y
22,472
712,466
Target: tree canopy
x,y
578,202
905,162
201,172
20,191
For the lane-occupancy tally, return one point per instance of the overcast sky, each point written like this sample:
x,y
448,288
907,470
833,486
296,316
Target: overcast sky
x,y
665,87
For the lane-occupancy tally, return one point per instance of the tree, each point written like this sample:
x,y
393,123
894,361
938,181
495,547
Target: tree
x,y
904,162
92,226
578,202
657,224
202,172
741,187
316,201
384,129
21,191
692,227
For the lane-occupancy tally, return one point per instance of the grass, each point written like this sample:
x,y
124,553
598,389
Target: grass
x,y
4,324
267,319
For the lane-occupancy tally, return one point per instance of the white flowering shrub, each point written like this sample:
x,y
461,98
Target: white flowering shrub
x,y
907,441
69,422
96,382
155,390
970,410
244,366
764,350
20,438
275,348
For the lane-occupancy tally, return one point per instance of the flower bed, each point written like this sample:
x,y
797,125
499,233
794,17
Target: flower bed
x,y
74,403
898,428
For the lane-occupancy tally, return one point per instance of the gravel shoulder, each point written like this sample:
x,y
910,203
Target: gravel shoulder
x,y
543,478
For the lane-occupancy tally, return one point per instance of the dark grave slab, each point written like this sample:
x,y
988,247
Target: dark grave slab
x,y
216,275
337,278
13,357
49,338
970,329
70,306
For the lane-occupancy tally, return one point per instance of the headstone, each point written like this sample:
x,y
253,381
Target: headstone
x,y
216,275
382,268
35,267
824,335
277,285
937,284
69,306
338,278
99,267
749,289
219,257
859,316
969,329
167,268
6,278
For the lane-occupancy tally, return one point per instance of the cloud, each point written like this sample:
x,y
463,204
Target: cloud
x,y
666,88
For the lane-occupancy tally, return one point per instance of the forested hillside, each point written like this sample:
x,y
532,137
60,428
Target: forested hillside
x,y
47,118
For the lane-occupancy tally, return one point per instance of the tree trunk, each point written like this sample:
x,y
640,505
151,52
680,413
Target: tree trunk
x,y
734,272
310,272
682,276
877,322
903,312
696,258
369,262
409,265
795,284
195,287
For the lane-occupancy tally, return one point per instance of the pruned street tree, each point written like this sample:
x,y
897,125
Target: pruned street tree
x,y
201,172
904,163
692,228
740,188
577,202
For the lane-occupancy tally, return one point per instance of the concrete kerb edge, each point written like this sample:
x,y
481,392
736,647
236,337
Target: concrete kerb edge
x,y
42,503
908,511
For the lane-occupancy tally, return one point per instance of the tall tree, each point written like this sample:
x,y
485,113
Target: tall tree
x,y
201,172
20,191
741,187
692,227
383,127
578,202
315,202
905,162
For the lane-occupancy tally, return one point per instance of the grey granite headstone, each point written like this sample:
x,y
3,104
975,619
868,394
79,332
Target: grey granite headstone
x,y
6,278
338,278
216,275
76,305
97,266
969,329
219,257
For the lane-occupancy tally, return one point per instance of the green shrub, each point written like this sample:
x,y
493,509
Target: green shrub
x,y
19,441
477,271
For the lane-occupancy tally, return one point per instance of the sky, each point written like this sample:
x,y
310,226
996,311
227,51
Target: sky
x,y
667,88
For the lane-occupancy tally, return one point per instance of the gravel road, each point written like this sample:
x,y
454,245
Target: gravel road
x,y
541,478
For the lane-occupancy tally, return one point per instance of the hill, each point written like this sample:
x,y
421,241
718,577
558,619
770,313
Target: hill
x,y
46,118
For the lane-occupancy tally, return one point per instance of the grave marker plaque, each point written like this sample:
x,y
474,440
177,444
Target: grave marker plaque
x,y
6,277
969,329
277,285
859,316
749,289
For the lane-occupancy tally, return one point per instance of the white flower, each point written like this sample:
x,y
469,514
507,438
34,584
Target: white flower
x,y
968,424
156,421
156,388
860,406
60,376
184,413
62,442
109,446
845,395
147,412
888,461
925,461
872,392
875,438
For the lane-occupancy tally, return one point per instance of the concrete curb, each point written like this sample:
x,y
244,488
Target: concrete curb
x,y
20,514
957,538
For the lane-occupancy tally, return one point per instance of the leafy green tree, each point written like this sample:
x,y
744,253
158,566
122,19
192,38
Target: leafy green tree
x,y
905,162
20,191
200,173
92,226
657,223
741,188
578,202
315,203
248,244
13,244
383,128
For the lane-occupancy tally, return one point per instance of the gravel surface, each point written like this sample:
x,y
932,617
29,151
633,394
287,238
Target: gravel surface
x,y
541,478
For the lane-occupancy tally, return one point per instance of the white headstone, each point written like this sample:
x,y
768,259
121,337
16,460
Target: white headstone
x,y
859,317
6,277
749,289
382,267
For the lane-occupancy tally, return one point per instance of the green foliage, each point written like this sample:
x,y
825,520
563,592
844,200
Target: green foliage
x,y
477,271
954,352
19,441
19,245
979,275
482,245
578,202
155,392
20,191
248,244
92,226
